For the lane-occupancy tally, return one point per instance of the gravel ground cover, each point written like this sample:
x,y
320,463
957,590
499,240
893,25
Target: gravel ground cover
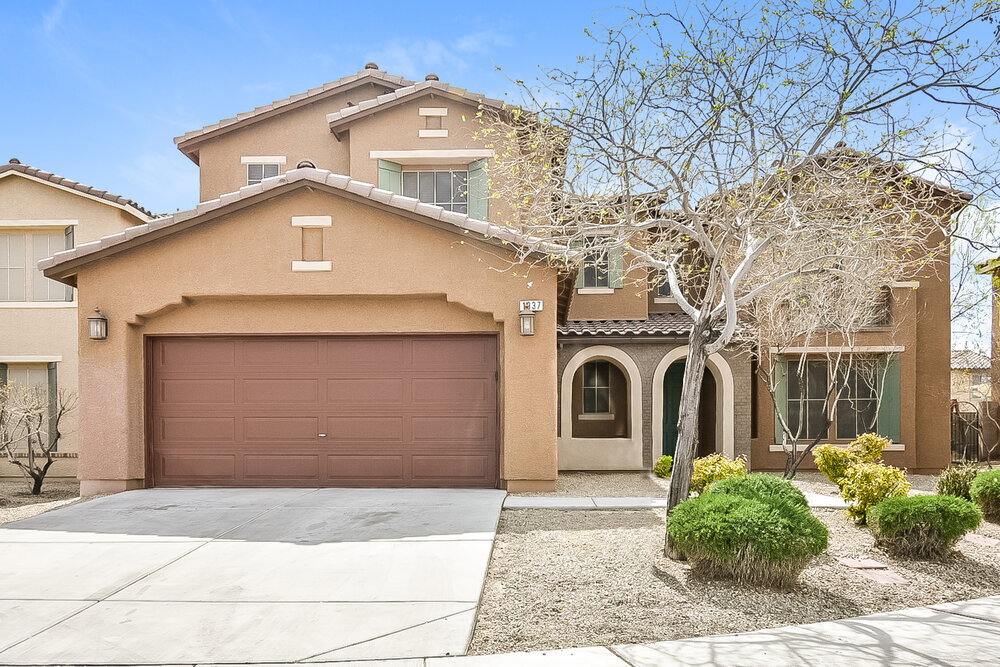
x,y
16,501
561,579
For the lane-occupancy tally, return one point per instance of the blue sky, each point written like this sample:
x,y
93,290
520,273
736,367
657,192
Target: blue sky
x,y
95,90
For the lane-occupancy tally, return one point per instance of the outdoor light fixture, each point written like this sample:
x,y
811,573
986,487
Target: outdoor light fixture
x,y
98,325
527,322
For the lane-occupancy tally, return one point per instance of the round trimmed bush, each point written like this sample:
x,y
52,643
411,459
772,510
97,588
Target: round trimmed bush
x,y
865,485
985,492
957,480
761,486
922,526
663,466
749,541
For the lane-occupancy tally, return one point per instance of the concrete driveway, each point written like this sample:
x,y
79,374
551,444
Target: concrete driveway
x,y
246,575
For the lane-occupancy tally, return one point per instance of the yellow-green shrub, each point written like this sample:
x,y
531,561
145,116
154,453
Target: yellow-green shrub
x,y
663,466
833,461
712,468
865,485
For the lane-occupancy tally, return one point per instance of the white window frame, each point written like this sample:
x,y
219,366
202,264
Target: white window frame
x,y
32,274
263,171
447,205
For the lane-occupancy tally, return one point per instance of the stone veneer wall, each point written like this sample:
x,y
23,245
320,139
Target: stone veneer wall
x,y
647,355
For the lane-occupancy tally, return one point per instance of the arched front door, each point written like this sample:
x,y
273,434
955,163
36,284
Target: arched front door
x,y
673,382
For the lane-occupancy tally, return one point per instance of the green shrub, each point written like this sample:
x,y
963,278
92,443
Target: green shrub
x,y
749,541
865,485
833,461
985,492
957,480
663,466
715,467
761,486
922,526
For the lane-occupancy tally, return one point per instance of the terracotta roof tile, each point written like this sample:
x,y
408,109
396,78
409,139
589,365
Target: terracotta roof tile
x,y
34,172
657,324
968,359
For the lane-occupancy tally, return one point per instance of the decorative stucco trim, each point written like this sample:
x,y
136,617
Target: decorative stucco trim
x,y
39,223
432,134
312,221
433,111
601,453
595,290
725,400
263,159
894,447
850,349
299,266
30,358
906,284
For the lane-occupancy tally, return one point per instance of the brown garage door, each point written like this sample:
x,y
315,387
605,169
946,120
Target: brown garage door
x,y
324,411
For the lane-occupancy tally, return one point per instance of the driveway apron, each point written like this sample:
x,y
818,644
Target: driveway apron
x,y
247,575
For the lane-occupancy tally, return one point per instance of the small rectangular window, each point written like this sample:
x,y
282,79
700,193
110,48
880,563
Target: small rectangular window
x,y
447,189
256,172
596,267
597,388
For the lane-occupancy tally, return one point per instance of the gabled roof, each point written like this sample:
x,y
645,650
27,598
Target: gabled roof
x,y
349,114
969,360
371,74
64,264
14,166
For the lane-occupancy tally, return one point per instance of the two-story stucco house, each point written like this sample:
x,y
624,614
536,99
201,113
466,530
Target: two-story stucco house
x,y
336,313
40,214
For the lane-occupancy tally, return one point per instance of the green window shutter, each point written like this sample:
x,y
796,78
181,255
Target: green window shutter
x,y
53,399
390,176
479,201
780,395
616,267
888,407
3,374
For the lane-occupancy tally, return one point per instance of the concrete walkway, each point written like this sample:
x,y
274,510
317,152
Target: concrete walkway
x,y
185,576
816,500
958,633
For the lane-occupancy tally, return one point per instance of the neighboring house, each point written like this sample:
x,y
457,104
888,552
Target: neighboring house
x,y
992,268
970,376
302,326
40,214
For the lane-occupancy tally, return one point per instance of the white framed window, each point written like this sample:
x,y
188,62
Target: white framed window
x,y
596,267
448,189
20,278
258,171
40,376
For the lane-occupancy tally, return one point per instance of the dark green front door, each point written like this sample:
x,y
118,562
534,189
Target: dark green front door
x,y
673,381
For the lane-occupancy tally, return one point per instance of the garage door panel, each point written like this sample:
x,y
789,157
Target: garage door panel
x,y
269,467
395,410
281,429
350,391
281,391
351,467
196,429
360,429
182,391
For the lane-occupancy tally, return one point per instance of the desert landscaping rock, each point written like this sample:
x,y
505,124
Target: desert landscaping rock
x,y
863,563
561,579
982,540
881,576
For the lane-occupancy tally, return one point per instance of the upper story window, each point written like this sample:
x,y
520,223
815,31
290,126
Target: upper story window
x,y
663,289
258,171
596,267
20,278
447,189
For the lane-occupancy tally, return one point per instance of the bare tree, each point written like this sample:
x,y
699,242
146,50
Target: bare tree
x,y
804,332
29,429
975,240
735,121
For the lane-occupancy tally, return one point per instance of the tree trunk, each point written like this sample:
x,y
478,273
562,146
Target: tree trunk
x,y
687,425
36,487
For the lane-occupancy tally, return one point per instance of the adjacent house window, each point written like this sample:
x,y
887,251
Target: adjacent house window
x,y
20,279
663,289
597,388
40,376
258,171
867,395
447,189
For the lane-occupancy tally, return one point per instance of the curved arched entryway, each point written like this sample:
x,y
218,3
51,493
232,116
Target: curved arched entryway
x,y
717,414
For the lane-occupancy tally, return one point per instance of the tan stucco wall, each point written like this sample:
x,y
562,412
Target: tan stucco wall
x,y
232,275
51,330
629,302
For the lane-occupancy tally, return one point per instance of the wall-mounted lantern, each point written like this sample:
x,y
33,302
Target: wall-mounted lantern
x,y
98,325
527,322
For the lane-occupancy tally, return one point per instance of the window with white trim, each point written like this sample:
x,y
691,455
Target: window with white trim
x,y
35,376
448,189
596,266
20,278
258,171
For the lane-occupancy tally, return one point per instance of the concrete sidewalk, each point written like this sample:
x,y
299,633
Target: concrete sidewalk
x,y
958,633
816,500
